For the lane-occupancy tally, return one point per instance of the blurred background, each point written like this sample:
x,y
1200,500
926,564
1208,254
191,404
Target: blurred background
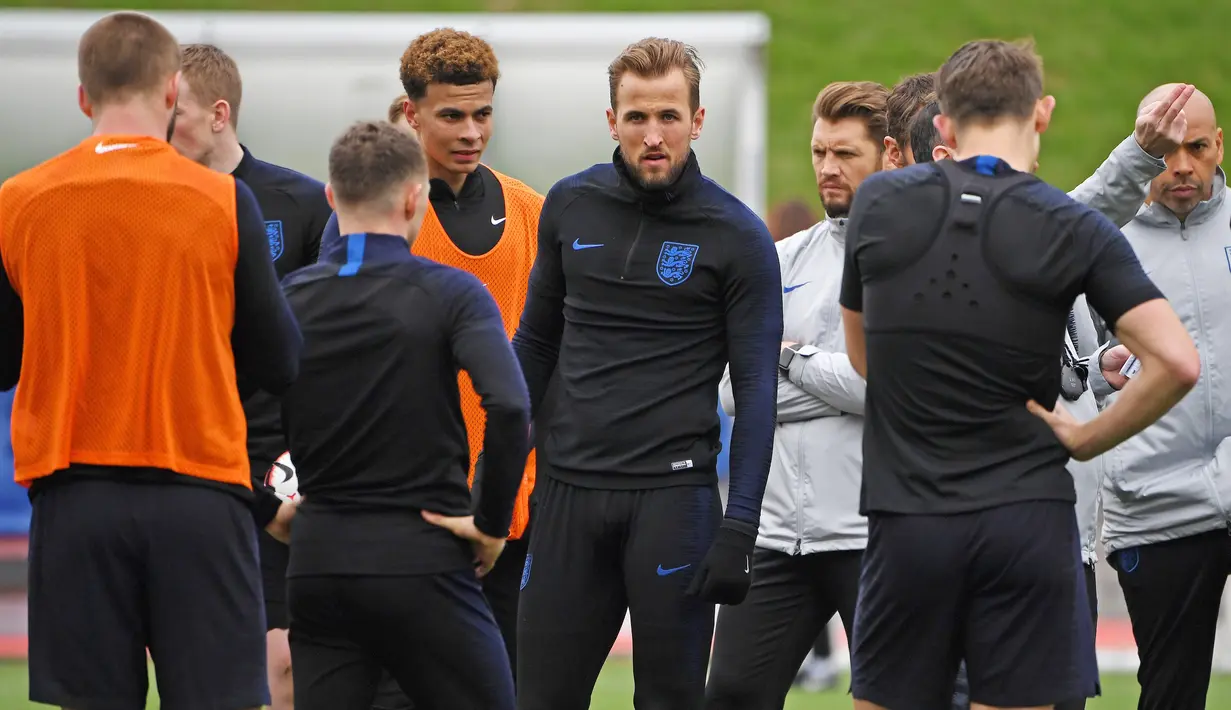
x,y
310,67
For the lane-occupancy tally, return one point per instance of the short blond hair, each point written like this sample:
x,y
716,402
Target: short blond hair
x,y
213,76
655,57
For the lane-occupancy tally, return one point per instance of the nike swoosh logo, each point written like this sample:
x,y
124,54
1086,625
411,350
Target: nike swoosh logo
x,y
664,572
104,148
578,246
745,564
497,221
788,289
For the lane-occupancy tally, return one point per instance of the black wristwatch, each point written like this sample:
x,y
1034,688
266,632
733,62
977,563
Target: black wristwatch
x,y
790,352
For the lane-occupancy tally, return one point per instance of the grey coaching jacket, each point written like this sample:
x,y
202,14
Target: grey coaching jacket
x,y
1173,479
811,501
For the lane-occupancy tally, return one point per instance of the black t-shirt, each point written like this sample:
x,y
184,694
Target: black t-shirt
x,y
965,324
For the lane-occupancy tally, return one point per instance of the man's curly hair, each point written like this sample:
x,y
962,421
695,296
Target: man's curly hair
x,y
447,56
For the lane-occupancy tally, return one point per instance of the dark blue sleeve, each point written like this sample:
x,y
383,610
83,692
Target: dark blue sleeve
x,y
753,294
481,348
12,333
265,338
330,236
537,340
1114,281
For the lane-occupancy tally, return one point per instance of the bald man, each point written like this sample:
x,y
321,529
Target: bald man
x,y
1167,492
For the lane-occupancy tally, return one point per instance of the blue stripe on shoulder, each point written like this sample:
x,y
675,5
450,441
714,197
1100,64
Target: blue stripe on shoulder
x,y
354,254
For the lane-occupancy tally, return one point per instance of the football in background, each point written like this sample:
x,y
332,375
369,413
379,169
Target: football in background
x,y
281,479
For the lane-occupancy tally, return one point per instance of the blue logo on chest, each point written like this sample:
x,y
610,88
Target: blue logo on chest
x,y
273,232
675,261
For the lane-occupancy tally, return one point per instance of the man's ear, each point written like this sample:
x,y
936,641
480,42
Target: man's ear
x,y
173,89
222,115
1042,113
611,125
893,154
944,126
698,120
412,199
329,196
411,112
83,102
941,152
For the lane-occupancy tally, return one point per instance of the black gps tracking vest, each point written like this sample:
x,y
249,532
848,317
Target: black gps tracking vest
x,y
948,285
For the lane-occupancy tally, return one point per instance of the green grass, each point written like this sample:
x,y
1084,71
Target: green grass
x,y
614,691
1101,57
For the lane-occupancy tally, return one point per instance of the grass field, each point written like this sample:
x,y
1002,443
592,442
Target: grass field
x,y
1101,57
615,692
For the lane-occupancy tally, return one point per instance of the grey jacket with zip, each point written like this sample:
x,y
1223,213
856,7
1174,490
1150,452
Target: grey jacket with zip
x,y
1173,480
811,501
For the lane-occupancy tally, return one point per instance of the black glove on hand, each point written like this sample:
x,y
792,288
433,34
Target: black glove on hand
x,y
726,572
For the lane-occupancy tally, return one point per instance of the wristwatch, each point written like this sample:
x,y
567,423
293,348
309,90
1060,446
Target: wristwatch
x,y
789,353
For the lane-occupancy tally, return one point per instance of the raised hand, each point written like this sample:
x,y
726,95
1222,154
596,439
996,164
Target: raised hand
x,y
1161,125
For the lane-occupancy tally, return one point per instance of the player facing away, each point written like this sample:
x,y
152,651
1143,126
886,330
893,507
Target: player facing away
x,y
649,278
144,283
973,546
385,551
295,212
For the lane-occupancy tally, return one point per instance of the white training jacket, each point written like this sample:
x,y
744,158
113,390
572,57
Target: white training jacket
x,y
1173,480
811,501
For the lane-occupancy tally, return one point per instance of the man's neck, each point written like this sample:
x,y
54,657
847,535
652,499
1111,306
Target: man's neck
x,y
132,118
1009,141
225,158
455,181
364,224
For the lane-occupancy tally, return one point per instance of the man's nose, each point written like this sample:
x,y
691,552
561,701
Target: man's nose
x,y
471,132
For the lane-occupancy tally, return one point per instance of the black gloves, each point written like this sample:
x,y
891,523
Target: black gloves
x,y
726,572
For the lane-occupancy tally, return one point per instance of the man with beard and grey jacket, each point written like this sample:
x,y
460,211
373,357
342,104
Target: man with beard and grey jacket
x,y
806,564
1167,493
1117,189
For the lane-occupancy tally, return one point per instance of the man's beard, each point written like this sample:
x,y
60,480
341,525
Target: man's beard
x,y
658,182
838,210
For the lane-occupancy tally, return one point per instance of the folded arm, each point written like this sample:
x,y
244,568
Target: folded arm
x,y
830,377
794,404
